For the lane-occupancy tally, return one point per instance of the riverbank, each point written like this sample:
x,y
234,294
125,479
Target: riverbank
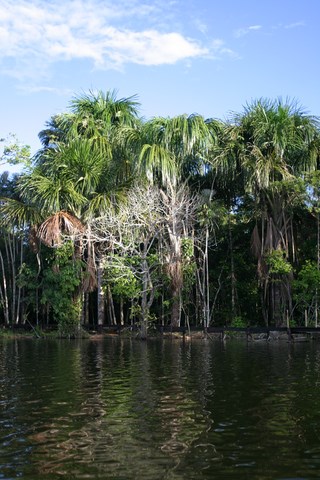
x,y
270,336
250,334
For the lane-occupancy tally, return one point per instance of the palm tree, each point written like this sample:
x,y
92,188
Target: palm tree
x,y
169,151
81,167
98,118
271,143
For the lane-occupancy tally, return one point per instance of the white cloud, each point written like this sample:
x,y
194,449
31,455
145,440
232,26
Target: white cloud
x,y
33,35
254,27
149,47
244,31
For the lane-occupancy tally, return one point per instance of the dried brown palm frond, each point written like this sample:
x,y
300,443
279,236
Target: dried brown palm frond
x,y
51,231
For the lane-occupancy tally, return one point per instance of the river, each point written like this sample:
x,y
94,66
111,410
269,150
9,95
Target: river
x,y
123,409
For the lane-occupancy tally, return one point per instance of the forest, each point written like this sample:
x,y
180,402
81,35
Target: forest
x,y
185,220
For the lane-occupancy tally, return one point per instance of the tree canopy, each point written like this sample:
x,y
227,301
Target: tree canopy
x,y
237,228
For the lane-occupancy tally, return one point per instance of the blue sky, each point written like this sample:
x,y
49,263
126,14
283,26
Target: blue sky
x,y
178,56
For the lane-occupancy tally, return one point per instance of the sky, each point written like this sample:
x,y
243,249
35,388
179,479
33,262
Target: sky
x,y
177,56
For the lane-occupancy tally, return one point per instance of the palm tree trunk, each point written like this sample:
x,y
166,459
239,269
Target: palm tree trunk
x,y
206,284
4,292
11,260
18,308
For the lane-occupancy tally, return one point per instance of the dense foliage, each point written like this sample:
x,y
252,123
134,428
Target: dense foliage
x,y
174,221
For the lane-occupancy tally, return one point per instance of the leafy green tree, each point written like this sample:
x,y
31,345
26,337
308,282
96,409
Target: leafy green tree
x,y
306,288
14,152
312,189
61,284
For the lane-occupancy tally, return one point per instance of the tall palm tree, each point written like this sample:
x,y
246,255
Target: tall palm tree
x,y
98,118
168,152
271,143
81,167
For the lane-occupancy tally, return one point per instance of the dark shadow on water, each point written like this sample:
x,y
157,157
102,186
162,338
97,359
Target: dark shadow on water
x,y
162,409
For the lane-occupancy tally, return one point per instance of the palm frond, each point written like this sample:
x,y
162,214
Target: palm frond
x,y
17,213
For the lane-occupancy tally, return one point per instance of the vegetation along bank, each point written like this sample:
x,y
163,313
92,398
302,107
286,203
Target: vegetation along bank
x,y
181,221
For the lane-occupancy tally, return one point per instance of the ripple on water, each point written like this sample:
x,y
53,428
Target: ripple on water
x,y
120,409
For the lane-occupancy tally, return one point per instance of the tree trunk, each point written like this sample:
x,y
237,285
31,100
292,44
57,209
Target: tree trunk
x,y
85,309
278,313
206,286
233,276
121,312
144,298
112,314
101,296
176,286
18,306
176,308
4,292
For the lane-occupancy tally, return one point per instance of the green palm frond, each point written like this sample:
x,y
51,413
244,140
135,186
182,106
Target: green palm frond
x,y
172,148
157,162
84,163
51,194
94,111
278,139
17,213
98,203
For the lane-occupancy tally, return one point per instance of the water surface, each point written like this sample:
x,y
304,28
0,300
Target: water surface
x,y
163,409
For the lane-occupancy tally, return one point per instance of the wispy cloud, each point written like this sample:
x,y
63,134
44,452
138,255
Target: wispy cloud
x,y
295,25
34,35
26,88
218,49
201,26
241,32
